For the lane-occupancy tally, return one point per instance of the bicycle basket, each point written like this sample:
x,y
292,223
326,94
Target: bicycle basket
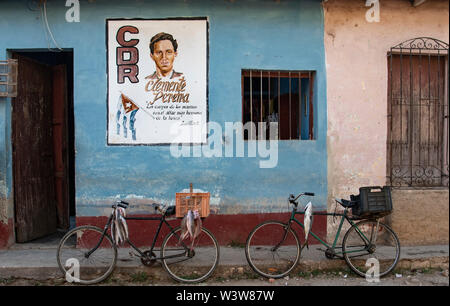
x,y
373,202
185,201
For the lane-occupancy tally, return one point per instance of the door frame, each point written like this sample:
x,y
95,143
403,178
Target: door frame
x,y
66,57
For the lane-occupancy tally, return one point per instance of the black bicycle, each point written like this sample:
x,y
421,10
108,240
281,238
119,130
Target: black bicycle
x,y
273,248
88,255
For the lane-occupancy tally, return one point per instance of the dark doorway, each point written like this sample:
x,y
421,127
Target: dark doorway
x,y
43,143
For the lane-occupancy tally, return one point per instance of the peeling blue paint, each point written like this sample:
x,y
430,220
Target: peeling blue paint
x,y
285,35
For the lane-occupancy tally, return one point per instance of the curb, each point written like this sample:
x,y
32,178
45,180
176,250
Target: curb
x,y
230,271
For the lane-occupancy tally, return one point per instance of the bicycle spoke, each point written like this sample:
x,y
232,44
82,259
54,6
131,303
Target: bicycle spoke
x,y
368,241
74,247
192,265
272,250
178,261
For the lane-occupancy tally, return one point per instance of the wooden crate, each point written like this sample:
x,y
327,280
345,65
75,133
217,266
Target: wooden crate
x,y
192,201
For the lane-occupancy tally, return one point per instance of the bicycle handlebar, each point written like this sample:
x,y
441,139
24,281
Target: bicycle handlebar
x,y
293,199
122,204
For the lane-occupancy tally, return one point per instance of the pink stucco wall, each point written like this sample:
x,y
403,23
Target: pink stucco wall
x,y
357,77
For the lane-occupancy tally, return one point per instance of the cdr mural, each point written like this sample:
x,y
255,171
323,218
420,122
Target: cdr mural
x,y
157,81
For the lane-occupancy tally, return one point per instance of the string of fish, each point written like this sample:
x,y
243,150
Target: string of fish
x,y
119,227
191,226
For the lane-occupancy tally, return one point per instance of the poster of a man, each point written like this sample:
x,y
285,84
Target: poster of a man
x,y
163,51
153,88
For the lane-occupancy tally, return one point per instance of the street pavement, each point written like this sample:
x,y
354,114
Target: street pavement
x,y
38,261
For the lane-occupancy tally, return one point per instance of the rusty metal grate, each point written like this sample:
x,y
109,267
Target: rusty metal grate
x,y
8,78
418,140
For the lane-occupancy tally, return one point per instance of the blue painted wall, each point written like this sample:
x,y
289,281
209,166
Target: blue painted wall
x,y
5,169
285,35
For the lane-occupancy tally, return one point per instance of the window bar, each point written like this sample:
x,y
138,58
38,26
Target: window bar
x,y
440,121
401,110
261,104
447,112
268,107
290,111
440,115
429,106
243,102
299,106
279,108
420,105
306,104
251,106
311,109
391,144
411,116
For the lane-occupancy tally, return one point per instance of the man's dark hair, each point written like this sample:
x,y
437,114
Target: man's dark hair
x,y
163,36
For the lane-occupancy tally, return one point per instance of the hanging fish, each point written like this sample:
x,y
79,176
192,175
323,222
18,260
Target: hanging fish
x,y
197,227
198,224
190,223
113,230
308,221
184,231
118,235
123,224
119,227
191,226
187,225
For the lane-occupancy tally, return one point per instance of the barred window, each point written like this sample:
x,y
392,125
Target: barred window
x,y
281,97
418,139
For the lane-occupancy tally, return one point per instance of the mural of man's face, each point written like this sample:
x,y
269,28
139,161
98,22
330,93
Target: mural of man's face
x,y
163,55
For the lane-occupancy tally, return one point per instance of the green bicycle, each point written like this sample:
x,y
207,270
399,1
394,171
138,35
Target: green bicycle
x,y
273,248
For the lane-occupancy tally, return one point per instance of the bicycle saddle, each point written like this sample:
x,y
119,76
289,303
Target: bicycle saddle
x,y
166,210
170,211
347,203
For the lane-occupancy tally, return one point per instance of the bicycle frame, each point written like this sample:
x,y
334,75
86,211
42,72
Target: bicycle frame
x,y
162,220
344,216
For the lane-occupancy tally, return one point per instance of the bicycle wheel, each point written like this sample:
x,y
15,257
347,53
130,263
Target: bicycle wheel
x,y
80,267
366,241
271,250
190,266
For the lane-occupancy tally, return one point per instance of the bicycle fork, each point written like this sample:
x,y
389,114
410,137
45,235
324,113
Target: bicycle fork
x,y
287,229
105,229
373,240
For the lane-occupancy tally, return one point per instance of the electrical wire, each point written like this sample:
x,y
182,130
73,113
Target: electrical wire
x,y
47,28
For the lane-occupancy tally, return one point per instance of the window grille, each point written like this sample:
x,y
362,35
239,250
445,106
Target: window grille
x,y
282,97
418,140
8,78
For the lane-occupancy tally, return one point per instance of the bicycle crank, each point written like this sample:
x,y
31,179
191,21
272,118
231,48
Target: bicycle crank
x,y
329,253
190,253
148,259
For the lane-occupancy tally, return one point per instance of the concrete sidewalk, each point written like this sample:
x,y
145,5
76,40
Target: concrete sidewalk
x,y
39,261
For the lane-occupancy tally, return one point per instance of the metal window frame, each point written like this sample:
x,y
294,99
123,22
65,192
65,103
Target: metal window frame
x,y
279,74
8,78
422,175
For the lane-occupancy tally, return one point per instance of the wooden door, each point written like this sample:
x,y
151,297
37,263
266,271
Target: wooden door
x,y
34,195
